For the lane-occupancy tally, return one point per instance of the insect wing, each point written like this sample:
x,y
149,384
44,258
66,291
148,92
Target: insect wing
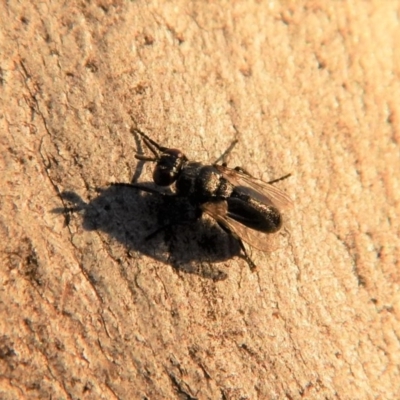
x,y
263,191
219,211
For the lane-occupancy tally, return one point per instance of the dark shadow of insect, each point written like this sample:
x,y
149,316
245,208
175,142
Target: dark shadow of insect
x,y
246,208
128,216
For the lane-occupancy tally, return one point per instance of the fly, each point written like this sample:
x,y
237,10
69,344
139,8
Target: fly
x,y
245,207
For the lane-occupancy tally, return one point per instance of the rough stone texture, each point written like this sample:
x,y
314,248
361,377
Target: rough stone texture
x,y
91,311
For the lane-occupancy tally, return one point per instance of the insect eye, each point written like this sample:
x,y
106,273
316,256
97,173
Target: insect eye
x,y
168,167
163,177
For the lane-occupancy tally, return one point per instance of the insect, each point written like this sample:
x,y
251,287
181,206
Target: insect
x,y
243,206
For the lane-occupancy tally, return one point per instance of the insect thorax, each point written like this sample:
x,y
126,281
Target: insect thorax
x,y
203,182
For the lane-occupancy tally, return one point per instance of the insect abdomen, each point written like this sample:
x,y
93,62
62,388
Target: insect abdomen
x,y
254,214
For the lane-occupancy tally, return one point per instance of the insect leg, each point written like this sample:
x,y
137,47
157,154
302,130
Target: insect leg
x,y
243,171
280,179
249,261
225,154
142,188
